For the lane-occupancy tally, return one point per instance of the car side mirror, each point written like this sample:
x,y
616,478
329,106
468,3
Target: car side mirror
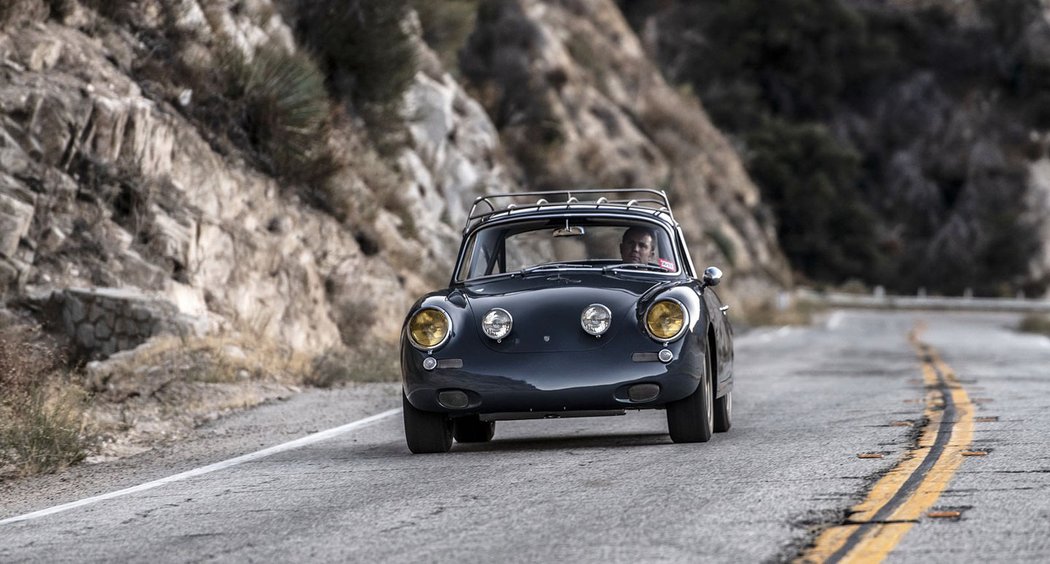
x,y
712,276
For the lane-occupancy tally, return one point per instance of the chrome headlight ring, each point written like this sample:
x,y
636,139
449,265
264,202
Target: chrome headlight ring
x,y
448,332
497,323
685,320
596,319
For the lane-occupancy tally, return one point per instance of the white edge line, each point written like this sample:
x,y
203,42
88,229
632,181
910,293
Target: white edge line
x,y
290,445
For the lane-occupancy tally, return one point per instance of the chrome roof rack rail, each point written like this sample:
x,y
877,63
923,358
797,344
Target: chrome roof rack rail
x,y
635,199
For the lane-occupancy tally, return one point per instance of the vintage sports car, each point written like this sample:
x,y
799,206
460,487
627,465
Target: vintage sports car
x,y
567,304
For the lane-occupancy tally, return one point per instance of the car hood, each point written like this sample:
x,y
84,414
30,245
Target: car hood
x,y
546,309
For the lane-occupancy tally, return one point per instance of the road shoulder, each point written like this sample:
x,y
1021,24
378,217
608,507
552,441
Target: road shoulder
x,y
270,424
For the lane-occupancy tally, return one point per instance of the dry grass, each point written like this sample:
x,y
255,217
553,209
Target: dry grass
x,y
376,363
42,423
224,358
1035,323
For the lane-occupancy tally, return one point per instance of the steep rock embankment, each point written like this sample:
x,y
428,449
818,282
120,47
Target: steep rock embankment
x,y
579,104
106,183
117,174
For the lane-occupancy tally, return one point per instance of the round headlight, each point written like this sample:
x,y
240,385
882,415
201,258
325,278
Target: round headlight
x,y
497,323
429,327
665,320
596,319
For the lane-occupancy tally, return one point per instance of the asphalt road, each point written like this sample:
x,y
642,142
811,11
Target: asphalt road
x,y
807,402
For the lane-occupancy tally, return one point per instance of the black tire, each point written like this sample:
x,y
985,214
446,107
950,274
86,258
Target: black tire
x,y
426,432
691,419
724,413
471,429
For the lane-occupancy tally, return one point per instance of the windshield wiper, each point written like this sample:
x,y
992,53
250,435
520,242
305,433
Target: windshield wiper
x,y
632,266
552,266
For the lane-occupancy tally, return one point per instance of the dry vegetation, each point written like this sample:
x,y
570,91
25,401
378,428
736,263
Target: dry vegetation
x,y
52,416
42,423
1036,323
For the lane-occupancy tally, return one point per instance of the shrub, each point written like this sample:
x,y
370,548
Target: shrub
x,y
1035,323
877,78
810,180
495,61
41,409
284,110
369,56
724,244
271,105
497,57
446,26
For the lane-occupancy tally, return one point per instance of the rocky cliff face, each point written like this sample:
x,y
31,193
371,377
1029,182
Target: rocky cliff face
x,y
110,179
578,103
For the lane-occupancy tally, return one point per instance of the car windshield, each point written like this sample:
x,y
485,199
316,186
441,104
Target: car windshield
x,y
574,243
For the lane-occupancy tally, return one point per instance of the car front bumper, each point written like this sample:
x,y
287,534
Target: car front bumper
x,y
552,382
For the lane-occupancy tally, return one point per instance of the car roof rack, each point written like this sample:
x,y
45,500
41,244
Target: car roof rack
x,y
647,199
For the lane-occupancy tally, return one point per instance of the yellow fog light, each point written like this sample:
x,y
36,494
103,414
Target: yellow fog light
x,y
665,320
429,328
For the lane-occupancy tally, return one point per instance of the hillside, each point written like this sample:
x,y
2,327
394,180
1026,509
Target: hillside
x,y
202,193
139,152
899,143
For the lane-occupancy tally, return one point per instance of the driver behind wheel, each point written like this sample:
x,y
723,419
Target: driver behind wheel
x,y
637,245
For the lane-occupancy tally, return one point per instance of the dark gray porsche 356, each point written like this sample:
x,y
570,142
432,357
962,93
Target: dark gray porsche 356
x,y
577,303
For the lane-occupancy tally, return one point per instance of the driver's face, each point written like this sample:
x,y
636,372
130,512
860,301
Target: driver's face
x,y
637,248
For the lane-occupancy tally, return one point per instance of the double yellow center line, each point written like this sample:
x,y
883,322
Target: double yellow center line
x,y
904,495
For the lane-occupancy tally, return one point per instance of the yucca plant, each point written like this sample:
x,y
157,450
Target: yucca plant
x,y
284,107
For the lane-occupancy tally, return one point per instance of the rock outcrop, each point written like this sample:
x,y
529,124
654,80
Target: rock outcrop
x,y
107,180
579,104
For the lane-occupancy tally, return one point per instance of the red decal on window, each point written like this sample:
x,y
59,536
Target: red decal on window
x,y
666,264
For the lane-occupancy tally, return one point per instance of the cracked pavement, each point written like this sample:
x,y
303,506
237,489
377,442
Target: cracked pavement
x,y
807,402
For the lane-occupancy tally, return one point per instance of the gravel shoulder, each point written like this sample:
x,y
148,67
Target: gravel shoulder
x,y
272,423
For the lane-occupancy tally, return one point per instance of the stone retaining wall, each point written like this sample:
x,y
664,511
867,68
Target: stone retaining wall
x,y
103,321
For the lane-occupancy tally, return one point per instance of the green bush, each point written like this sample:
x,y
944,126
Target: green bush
x,y
284,109
369,56
495,62
810,180
889,140
446,26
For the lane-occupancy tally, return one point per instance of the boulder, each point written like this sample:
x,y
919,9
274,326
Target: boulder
x,y
15,219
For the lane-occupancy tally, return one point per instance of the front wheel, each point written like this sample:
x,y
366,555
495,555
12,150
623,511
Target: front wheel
x,y
426,432
724,413
691,419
